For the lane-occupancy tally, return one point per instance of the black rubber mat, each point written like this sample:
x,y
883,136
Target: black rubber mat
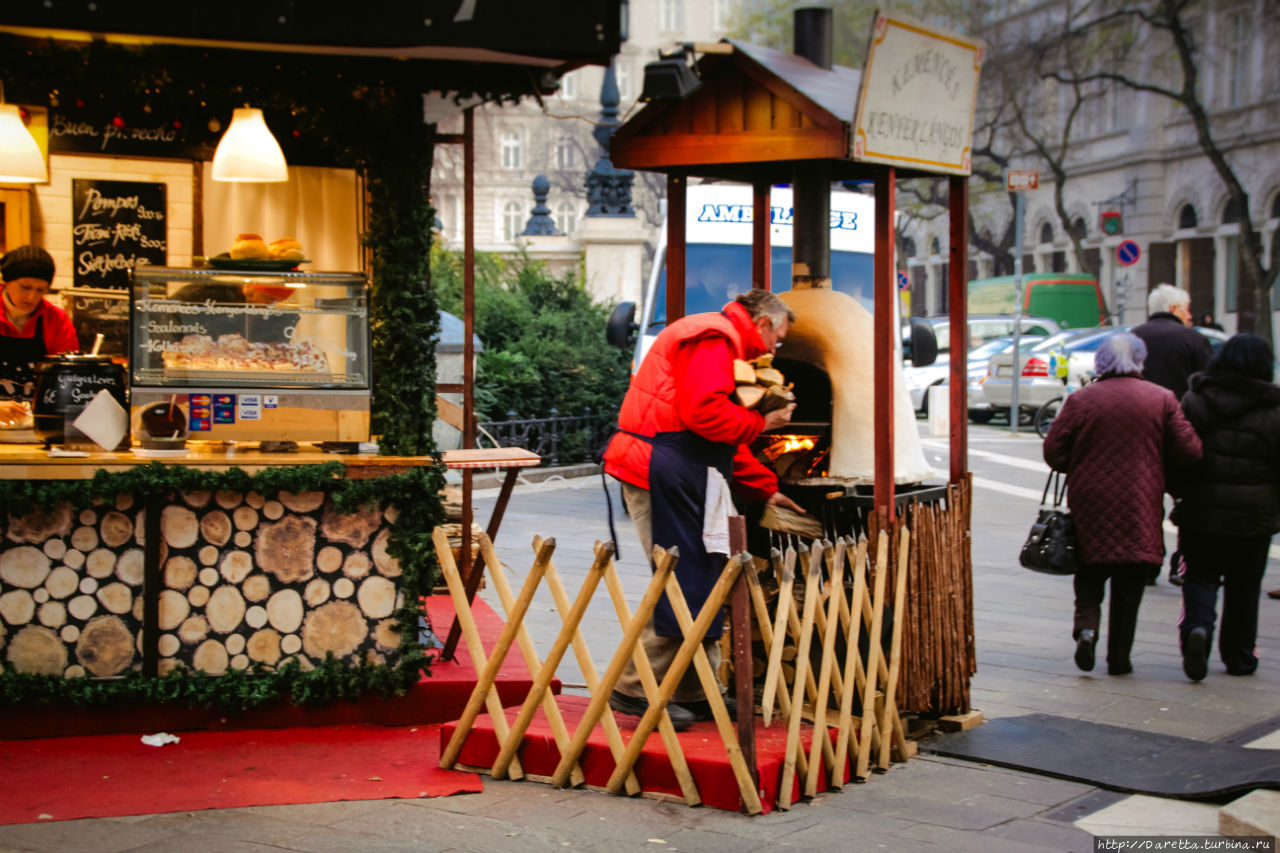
x,y
1113,757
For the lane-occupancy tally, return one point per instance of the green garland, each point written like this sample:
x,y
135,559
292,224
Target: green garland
x,y
414,494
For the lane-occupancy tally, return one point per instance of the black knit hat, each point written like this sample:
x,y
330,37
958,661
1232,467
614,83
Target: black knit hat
x,y
27,262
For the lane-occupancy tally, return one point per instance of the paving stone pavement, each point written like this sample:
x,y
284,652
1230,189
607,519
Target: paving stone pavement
x,y
929,803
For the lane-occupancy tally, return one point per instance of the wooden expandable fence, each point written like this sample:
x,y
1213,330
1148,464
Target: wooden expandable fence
x,y
833,633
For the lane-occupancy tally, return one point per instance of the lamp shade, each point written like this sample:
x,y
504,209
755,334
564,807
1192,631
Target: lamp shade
x,y
248,152
20,157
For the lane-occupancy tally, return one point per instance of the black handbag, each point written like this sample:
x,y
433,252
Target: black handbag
x,y
1051,544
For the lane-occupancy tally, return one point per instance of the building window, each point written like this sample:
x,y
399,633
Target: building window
x,y
512,221
1187,217
935,247
566,217
1046,233
1237,66
569,86
512,150
566,154
622,72
721,14
1275,207
1080,227
672,16
1231,213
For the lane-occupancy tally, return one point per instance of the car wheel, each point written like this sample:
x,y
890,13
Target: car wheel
x,y
981,416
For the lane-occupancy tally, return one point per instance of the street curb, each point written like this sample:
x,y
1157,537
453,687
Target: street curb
x,y
491,479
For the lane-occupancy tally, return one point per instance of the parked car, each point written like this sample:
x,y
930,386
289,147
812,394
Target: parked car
x,y
981,411
982,329
920,380
1040,381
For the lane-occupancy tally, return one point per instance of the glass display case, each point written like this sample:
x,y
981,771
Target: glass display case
x,y
254,353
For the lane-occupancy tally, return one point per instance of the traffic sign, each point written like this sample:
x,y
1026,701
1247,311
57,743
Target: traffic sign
x,y
904,283
1127,253
1020,180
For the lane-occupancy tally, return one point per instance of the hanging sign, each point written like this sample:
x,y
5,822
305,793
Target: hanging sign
x,y
85,131
919,91
116,225
1022,180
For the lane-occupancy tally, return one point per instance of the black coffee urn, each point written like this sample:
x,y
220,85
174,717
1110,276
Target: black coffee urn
x,y
65,385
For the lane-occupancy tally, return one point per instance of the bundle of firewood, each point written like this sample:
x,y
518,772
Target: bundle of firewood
x,y
760,385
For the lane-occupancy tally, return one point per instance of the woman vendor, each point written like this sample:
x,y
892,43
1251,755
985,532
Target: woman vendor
x,y
30,328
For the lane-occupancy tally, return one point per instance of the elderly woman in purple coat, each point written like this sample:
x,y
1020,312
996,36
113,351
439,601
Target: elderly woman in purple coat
x,y
1116,439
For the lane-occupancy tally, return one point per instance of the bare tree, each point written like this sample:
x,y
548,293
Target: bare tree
x,y
1163,27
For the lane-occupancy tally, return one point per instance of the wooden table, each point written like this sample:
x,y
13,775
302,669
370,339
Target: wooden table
x,y
510,458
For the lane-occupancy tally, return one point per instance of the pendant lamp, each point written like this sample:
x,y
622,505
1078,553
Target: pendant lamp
x,y
247,152
20,159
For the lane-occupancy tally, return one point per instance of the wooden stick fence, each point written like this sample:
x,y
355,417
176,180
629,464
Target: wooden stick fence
x,y
846,600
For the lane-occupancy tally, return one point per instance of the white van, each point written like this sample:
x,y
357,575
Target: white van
x,y
718,220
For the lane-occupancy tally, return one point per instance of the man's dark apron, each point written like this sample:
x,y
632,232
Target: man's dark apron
x,y
677,494
18,360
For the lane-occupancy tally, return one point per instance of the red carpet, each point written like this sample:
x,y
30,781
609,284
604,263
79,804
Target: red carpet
x,y
703,750
112,775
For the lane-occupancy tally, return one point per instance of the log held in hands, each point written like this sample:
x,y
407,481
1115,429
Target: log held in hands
x,y
510,458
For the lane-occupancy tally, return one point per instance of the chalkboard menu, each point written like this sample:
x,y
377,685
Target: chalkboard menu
x,y
99,311
116,225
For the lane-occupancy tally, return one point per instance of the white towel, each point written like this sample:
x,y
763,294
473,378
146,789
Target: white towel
x,y
715,515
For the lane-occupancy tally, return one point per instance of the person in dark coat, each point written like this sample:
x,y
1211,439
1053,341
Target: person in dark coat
x,y
1207,322
1174,352
1232,504
1114,439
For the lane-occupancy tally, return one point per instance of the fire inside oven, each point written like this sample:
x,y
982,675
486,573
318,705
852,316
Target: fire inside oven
x,y
801,450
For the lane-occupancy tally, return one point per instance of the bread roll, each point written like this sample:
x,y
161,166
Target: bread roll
x,y
286,249
249,246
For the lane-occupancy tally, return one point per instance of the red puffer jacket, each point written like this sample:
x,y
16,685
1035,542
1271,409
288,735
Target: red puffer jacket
x,y
1114,439
685,383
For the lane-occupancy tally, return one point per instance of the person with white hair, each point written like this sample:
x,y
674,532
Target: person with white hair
x,y
1117,439
1175,350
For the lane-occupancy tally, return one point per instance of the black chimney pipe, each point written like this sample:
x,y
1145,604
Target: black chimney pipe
x,y
811,201
813,35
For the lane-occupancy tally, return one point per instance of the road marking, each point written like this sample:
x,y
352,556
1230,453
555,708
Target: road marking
x,y
1012,461
1016,491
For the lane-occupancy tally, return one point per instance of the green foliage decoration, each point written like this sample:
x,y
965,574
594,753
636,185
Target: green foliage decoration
x,y
413,493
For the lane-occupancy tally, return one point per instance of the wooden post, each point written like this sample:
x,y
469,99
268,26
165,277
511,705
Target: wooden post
x,y
761,248
885,293
470,574
744,688
957,290
895,653
675,246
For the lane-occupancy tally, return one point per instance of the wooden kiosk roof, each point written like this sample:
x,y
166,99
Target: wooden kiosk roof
x,y
757,113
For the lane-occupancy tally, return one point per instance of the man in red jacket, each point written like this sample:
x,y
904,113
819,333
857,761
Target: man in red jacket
x,y
680,436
